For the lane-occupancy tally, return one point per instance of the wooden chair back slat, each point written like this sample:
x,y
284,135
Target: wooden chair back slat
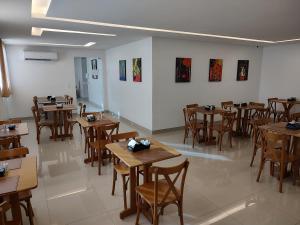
x,y
227,105
178,170
228,119
124,136
13,153
192,105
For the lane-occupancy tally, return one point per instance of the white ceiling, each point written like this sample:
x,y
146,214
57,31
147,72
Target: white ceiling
x,y
271,20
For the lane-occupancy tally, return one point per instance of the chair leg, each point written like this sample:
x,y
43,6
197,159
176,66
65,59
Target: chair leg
x,y
80,128
114,182
138,204
230,138
282,171
220,141
180,212
194,136
262,164
124,191
185,135
30,211
253,155
155,216
92,156
99,161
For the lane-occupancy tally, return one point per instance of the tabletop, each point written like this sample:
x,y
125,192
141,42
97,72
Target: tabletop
x,y
53,108
21,178
201,109
21,129
157,152
99,122
45,100
281,129
285,101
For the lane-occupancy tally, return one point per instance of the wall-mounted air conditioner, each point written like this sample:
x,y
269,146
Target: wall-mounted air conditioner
x,y
41,56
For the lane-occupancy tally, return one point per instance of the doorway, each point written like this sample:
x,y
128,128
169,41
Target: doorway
x,y
89,82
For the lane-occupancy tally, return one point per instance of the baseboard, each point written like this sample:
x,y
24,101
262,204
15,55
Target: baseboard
x,y
167,130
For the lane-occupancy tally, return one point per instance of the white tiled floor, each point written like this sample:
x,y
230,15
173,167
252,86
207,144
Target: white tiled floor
x,y
220,186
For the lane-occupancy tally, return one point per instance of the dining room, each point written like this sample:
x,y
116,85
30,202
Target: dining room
x,y
191,119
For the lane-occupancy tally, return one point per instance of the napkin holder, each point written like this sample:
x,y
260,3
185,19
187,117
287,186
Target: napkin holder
x,y
53,99
90,118
3,170
49,97
11,126
291,99
209,107
244,104
293,126
59,106
236,105
138,147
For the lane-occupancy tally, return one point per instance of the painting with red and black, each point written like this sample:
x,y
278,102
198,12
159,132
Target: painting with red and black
x,y
183,69
215,69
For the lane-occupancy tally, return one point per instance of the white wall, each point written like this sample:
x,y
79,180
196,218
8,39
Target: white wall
x,y
133,100
95,86
41,78
169,97
280,73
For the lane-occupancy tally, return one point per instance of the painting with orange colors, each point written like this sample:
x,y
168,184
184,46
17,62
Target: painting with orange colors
x,y
137,69
183,69
215,69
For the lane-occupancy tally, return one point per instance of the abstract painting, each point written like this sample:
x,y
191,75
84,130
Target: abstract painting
x,y
215,69
122,70
183,69
242,70
137,69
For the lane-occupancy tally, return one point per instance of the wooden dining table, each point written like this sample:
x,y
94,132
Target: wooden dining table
x,y
211,140
22,176
157,152
67,108
287,106
281,129
20,130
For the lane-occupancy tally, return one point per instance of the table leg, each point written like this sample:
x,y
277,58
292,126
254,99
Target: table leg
x,y
15,207
238,131
55,125
211,140
245,123
66,124
132,208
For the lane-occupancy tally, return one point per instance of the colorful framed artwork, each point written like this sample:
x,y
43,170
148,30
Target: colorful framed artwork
x,y
242,70
215,69
183,70
137,69
122,70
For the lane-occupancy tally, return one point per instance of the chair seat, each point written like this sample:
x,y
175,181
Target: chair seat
x,y
23,195
146,191
218,126
98,144
46,122
121,168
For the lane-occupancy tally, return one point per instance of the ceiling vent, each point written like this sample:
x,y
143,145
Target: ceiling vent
x,y
40,56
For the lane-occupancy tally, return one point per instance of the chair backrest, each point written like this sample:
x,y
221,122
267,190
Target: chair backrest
x,y
272,142
296,116
192,105
185,116
261,113
191,117
227,105
272,104
36,116
35,102
69,99
13,153
82,108
171,175
10,142
104,133
124,136
227,120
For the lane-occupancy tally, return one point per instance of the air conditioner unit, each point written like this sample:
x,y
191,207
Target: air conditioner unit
x,y
41,56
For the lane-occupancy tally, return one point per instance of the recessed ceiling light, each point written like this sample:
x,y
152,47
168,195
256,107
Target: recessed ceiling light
x,y
59,44
40,7
89,44
37,31
151,29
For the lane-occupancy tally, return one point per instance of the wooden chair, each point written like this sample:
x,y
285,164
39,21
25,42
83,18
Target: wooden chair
x,y
103,137
274,112
187,126
296,116
276,150
23,195
120,167
89,133
17,139
163,192
296,164
82,108
39,124
257,136
69,99
225,126
227,105
194,125
258,114
4,207
10,142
